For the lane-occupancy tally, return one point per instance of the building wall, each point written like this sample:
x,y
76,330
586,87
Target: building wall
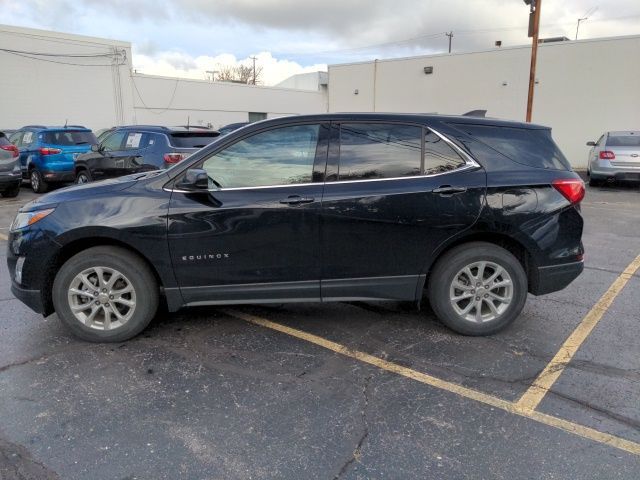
x,y
169,101
51,89
98,93
584,88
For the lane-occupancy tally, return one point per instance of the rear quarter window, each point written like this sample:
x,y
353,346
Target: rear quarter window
x,y
531,147
192,139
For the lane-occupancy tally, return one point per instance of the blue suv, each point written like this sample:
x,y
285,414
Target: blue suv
x,y
47,154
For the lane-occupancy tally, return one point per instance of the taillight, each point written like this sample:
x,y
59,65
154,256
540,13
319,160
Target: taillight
x,y
174,157
49,151
607,155
571,188
11,148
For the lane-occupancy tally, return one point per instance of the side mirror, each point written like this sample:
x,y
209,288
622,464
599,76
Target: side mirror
x,y
195,179
95,148
591,144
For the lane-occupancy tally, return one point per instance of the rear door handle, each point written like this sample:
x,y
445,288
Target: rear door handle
x,y
296,200
449,190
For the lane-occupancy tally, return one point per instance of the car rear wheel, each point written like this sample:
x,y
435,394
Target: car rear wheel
x,y
11,192
478,288
105,294
83,176
38,185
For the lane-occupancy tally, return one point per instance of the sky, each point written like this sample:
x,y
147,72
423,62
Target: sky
x,y
186,38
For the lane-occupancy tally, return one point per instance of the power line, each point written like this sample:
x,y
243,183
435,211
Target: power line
x,y
152,109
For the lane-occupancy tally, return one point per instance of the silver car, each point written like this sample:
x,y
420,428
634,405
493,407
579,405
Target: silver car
x,y
10,172
616,156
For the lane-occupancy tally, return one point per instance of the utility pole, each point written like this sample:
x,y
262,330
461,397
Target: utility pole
x,y
450,35
585,17
534,27
254,69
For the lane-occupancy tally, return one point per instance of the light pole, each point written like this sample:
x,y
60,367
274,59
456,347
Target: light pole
x,y
534,27
585,17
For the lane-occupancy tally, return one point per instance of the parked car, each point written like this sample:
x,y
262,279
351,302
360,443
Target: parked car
x,y
10,172
334,207
47,153
140,148
615,156
231,127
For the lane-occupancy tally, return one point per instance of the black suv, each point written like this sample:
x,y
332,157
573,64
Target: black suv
x,y
140,148
473,212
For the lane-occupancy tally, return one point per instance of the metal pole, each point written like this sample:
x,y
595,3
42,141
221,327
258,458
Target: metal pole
x,y
450,35
254,69
534,57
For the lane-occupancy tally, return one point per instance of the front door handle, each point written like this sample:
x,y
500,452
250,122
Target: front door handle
x,y
449,190
296,200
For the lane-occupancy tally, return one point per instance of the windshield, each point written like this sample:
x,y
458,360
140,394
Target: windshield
x,y
624,141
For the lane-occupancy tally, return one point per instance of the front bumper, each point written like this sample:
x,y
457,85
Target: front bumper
x,y
552,278
31,298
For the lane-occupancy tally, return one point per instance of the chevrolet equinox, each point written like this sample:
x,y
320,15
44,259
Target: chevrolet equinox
x,y
470,213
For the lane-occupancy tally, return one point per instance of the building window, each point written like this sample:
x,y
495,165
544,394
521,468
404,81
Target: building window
x,y
257,116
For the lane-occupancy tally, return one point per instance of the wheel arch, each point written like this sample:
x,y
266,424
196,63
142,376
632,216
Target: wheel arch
x,y
77,245
512,245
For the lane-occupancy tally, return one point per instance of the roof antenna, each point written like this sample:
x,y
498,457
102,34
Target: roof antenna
x,y
66,120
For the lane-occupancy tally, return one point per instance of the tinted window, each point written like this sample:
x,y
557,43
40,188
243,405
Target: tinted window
x,y
623,141
439,157
532,147
69,137
280,156
4,140
193,139
370,150
113,142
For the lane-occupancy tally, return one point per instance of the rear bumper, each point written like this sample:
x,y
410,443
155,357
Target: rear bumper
x,y
603,170
9,181
555,277
58,175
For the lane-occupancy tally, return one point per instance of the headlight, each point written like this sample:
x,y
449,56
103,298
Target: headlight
x,y
27,219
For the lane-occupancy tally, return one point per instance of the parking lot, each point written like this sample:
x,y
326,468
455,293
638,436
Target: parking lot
x,y
348,390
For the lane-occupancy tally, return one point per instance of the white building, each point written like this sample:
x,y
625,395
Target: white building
x,y
583,89
50,78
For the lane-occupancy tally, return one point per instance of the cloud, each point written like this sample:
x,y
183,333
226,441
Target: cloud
x,y
180,64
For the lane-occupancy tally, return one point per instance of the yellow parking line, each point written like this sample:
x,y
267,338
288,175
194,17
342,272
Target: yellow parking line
x,y
3,237
567,426
545,380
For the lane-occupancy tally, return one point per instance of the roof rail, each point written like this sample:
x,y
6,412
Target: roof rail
x,y
34,126
75,126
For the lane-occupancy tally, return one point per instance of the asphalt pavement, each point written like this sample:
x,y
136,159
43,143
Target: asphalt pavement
x,y
347,390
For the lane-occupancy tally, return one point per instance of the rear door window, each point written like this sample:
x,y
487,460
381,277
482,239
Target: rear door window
x,y
532,147
193,139
378,150
68,138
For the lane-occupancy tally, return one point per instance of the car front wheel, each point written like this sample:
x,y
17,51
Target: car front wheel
x,y
105,294
478,288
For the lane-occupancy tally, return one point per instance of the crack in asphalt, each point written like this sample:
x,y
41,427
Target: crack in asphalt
x,y
357,452
16,463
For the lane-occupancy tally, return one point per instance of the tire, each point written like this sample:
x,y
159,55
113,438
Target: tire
x,y
11,192
133,272
38,185
594,182
511,283
83,176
